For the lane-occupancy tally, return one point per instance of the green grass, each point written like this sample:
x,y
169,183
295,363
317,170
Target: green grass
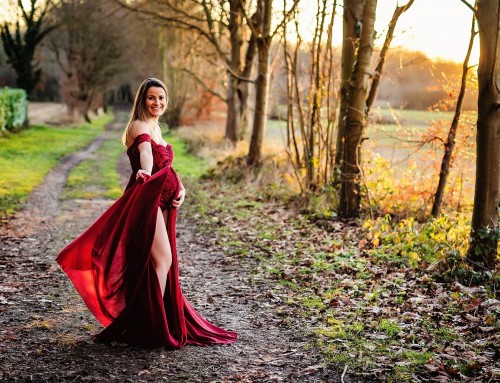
x,y
185,164
97,177
420,118
27,157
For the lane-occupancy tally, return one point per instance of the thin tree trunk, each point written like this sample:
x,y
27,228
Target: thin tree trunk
x,y
331,100
316,95
484,232
233,110
290,123
383,53
353,11
260,114
450,142
243,86
254,157
233,100
355,122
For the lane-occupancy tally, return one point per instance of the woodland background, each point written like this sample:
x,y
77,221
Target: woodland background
x,y
385,166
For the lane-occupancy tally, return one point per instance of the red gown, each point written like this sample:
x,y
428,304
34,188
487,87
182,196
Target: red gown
x,y
111,267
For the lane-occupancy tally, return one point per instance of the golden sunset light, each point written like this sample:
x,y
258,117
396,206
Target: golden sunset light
x,y
249,191
440,29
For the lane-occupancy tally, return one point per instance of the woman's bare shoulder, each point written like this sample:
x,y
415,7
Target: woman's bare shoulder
x,y
138,127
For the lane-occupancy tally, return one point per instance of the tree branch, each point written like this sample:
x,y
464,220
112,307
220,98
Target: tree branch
x,y
286,17
469,6
203,84
178,22
377,73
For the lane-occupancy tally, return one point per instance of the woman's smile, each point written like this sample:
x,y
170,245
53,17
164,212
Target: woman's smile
x,y
156,101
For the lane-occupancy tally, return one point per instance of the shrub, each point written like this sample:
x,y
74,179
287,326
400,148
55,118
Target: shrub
x,y
13,108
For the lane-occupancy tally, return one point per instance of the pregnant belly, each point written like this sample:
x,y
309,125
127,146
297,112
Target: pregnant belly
x,y
170,189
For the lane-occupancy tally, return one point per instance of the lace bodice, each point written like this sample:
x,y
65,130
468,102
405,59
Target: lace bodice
x,y
162,155
162,158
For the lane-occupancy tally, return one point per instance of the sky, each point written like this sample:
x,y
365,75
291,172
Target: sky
x,y
439,28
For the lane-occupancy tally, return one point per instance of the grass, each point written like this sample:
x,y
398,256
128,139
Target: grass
x,y
185,164
27,157
97,177
386,121
417,118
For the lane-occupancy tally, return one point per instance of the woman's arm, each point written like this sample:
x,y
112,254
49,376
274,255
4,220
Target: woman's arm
x,y
146,157
145,150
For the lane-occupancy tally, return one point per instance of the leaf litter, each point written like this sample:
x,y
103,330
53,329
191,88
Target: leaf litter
x,y
45,329
371,315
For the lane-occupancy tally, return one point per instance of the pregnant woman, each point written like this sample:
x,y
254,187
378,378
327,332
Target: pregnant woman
x,y
125,265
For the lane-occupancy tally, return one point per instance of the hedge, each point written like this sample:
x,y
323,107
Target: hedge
x,y
13,108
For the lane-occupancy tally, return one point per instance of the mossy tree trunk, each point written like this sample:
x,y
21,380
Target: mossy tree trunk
x,y
485,232
349,205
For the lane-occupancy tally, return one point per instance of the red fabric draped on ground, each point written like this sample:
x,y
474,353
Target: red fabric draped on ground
x,y
112,269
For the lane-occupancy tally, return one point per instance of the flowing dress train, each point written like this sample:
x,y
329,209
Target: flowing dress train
x,y
111,266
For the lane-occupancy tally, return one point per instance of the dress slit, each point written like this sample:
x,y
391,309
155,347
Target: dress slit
x,y
112,268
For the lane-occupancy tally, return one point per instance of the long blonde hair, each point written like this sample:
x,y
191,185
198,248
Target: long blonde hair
x,y
139,111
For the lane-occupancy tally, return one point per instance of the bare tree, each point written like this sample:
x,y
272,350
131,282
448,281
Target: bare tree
x,y
88,68
223,25
312,103
353,12
482,252
264,36
238,76
377,73
449,145
356,98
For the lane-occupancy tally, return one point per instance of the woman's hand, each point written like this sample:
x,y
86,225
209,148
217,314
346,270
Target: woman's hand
x,y
143,174
180,198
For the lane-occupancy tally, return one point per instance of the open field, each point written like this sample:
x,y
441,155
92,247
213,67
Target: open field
x,y
408,144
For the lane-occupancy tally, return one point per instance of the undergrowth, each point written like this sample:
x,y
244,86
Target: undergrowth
x,y
378,311
389,297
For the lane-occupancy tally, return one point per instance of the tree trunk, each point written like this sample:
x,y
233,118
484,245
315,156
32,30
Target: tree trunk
x,y
243,86
450,142
484,232
233,100
316,97
254,157
260,114
355,122
233,110
353,11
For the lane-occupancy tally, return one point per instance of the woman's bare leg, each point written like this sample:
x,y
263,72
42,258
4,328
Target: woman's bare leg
x,y
161,251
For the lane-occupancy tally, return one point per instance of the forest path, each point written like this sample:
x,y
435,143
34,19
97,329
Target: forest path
x,y
45,329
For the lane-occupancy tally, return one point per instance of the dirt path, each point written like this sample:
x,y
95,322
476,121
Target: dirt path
x,y
45,330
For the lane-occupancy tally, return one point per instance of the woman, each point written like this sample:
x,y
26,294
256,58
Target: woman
x,y
125,265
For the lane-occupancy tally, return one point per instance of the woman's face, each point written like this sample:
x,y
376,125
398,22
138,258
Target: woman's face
x,y
156,101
